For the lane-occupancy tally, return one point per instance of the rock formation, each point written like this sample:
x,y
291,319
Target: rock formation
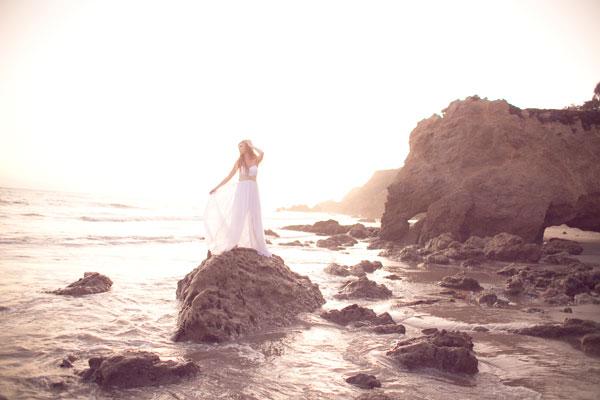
x,y
240,292
92,282
487,167
366,201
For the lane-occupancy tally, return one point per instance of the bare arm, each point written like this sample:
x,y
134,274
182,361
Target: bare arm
x,y
227,178
261,153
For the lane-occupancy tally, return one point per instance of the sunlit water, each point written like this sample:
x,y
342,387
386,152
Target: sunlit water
x,y
49,239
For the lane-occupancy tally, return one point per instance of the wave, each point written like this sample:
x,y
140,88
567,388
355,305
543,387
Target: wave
x,y
138,219
98,240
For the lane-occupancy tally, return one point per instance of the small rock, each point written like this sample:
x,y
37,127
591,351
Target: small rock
x,y
365,266
337,269
534,310
364,381
555,245
337,242
66,363
460,282
393,277
363,288
487,298
136,368
390,328
567,310
590,344
480,329
91,283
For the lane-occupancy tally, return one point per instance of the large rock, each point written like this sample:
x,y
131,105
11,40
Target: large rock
x,y
136,368
240,292
92,282
446,351
486,167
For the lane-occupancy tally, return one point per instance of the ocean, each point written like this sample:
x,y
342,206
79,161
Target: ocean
x,y
49,239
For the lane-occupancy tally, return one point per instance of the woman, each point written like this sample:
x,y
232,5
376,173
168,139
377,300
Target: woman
x,y
233,215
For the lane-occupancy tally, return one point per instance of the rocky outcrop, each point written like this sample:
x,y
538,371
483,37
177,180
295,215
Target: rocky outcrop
x,y
136,368
92,282
363,288
445,249
366,201
443,350
556,285
240,292
583,334
487,167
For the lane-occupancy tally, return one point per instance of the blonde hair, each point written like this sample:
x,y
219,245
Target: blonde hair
x,y
253,155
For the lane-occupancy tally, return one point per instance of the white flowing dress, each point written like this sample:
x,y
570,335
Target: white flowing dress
x,y
232,216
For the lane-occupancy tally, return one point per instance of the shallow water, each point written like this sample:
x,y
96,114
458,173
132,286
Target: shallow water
x,y
49,239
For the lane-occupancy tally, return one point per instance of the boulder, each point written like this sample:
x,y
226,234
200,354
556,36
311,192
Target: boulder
x,y
488,298
270,232
365,266
240,292
590,344
359,231
460,282
92,282
337,242
485,167
337,269
329,227
437,259
561,258
443,350
556,245
507,247
293,243
136,368
358,316
584,334
364,381
363,288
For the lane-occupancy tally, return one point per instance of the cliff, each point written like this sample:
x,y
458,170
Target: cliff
x,y
366,201
486,167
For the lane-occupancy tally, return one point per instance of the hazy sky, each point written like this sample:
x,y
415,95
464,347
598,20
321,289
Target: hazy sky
x,y
151,98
